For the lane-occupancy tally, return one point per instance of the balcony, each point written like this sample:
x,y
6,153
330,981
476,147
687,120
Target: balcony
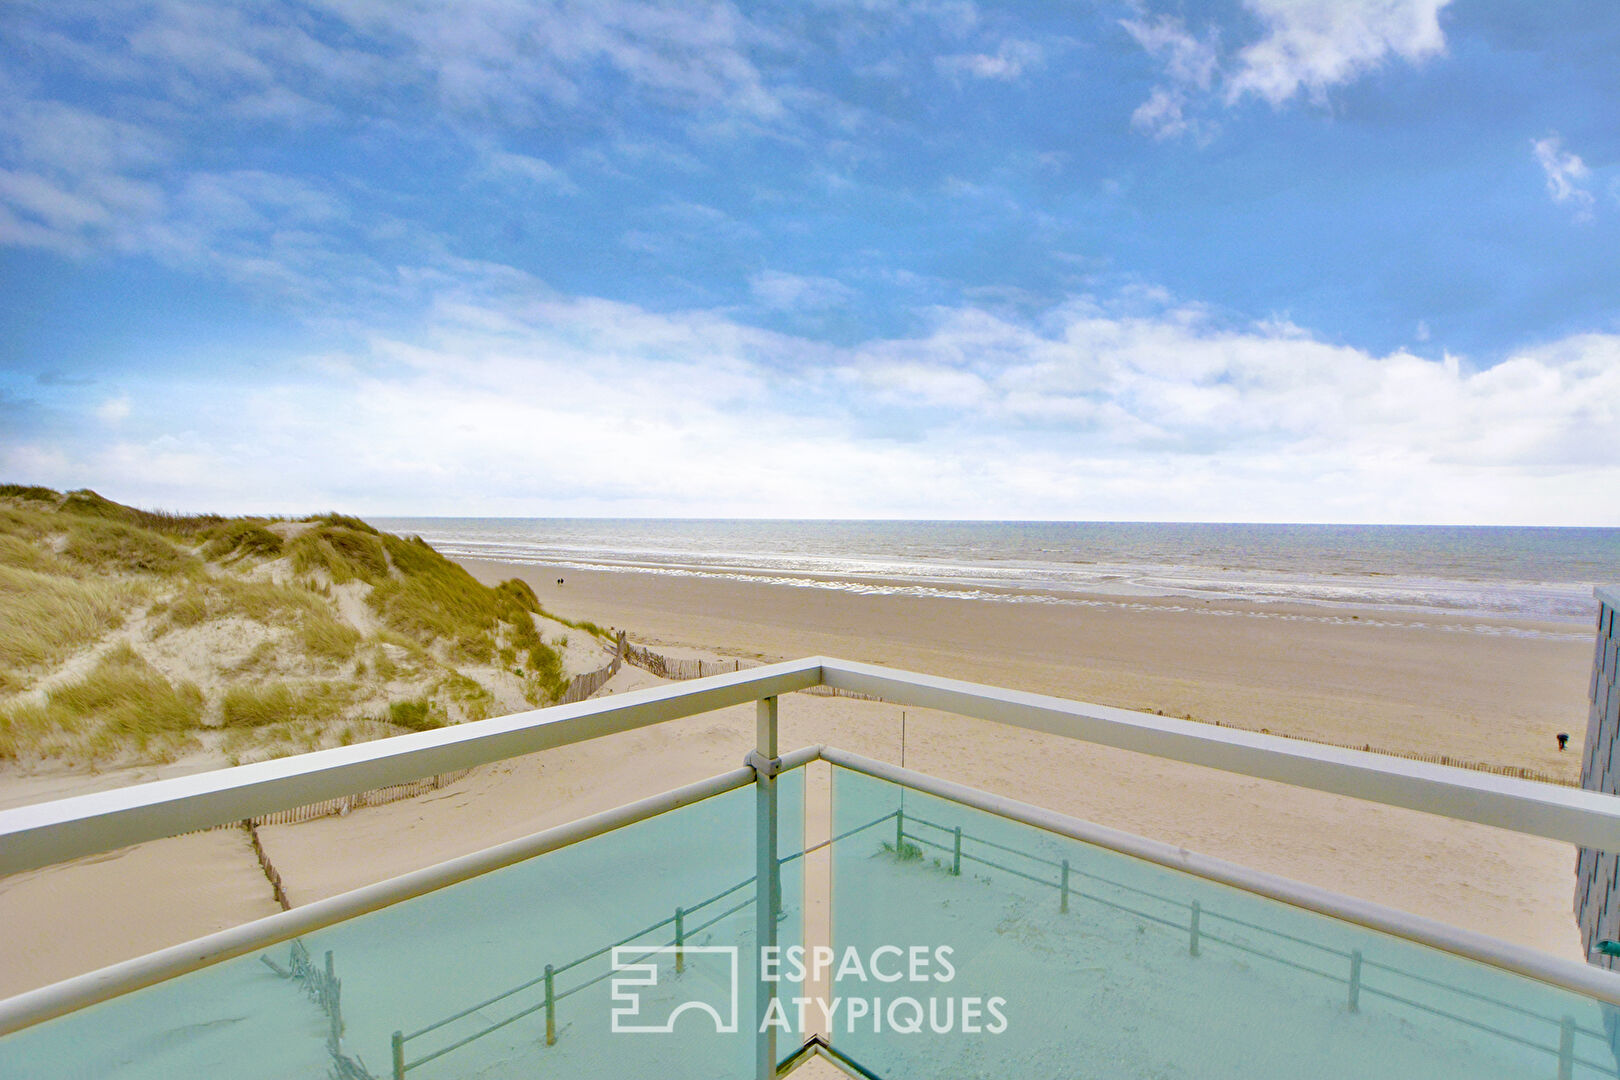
x,y
909,927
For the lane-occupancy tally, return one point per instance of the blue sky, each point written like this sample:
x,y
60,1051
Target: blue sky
x,y
1272,260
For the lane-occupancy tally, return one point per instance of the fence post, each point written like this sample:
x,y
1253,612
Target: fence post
x,y
956,858
899,830
551,1009
335,1019
680,940
1192,943
1063,893
399,1055
1566,1048
1355,980
330,996
766,886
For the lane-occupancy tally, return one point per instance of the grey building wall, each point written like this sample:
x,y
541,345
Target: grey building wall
x,y
1597,873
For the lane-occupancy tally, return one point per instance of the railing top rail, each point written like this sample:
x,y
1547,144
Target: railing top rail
x,y
56,999
52,832
1587,818
45,833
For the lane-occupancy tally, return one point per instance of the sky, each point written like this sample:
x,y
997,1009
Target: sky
x,y
1243,260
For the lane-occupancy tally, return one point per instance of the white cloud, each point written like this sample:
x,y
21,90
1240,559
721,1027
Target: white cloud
x,y
500,164
513,400
1312,45
1566,173
113,410
1008,63
1306,47
794,292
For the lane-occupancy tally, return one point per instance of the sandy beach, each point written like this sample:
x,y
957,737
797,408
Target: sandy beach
x,y
1490,690
1493,693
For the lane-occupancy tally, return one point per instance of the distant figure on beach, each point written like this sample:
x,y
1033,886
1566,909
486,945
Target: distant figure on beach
x,y
1563,739
559,581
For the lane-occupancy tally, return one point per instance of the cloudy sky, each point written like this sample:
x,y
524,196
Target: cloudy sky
x,y
1256,260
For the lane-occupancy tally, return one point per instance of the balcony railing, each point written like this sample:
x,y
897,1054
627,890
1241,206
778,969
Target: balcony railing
x,y
1114,954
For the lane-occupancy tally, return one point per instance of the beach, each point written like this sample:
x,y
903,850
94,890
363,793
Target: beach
x,y
1494,692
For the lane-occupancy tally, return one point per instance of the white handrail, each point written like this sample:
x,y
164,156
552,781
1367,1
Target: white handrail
x,y
1587,818
52,832
45,833
57,999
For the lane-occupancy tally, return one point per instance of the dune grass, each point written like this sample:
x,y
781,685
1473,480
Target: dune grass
x,y
45,617
292,670
243,538
114,547
85,503
225,597
123,704
260,705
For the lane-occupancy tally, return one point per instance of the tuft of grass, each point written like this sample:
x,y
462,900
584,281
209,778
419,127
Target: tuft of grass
x,y
471,698
907,852
226,597
344,521
107,545
243,538
521,594
122,704
417,715
43,617
30,493
19,553
345,554
325,637
280,703
87,504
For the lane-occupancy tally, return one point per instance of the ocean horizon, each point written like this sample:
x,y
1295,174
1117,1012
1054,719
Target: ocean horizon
x,y
1525,572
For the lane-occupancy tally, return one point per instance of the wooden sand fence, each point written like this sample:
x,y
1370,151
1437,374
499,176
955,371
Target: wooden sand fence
x,y
669,667
1518,772
579,688
326,990
682,668
583,686
375,797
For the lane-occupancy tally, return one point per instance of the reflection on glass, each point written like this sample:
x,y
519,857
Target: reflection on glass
x,y
1110,966
460,975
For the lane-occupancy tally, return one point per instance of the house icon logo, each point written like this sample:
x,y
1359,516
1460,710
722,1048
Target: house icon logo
x,y
637,975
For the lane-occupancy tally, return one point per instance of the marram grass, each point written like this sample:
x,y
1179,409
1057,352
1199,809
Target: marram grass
x,y
242,634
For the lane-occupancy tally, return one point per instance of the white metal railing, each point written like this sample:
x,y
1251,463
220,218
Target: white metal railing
x,y
46,833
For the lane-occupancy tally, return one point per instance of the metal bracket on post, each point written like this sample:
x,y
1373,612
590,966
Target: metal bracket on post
x,y
766,763
766,767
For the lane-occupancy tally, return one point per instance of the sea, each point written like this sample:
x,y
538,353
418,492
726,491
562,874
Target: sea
x,y
1539,574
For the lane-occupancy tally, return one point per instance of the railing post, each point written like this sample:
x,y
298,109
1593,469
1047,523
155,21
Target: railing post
x,y
899,830
1063,890
766,887
680,940
1192,942
1566,1048
551,1008
399,1055
956,858
1355,980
